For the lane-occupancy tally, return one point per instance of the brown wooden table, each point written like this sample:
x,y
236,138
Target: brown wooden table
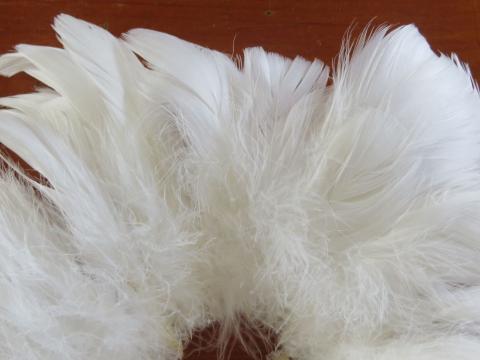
x,y
309,28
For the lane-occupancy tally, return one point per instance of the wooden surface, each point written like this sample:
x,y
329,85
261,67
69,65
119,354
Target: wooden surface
x,y
309,28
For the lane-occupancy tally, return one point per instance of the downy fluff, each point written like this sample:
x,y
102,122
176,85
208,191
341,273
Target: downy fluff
x,y
183,188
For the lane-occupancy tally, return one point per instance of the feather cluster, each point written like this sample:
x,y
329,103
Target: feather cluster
x,y
183,188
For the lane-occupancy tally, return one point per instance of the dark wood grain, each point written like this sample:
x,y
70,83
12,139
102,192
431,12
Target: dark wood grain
x,y
313,29
310,28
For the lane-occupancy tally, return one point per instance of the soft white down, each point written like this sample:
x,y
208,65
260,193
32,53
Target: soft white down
x,y
186,188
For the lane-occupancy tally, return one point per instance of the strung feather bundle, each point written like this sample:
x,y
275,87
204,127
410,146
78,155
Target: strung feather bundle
x,y
345,217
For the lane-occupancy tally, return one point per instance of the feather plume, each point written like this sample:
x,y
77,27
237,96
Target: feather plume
x,y
184,188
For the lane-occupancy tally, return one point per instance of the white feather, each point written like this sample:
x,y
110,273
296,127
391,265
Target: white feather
x,y
193,189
